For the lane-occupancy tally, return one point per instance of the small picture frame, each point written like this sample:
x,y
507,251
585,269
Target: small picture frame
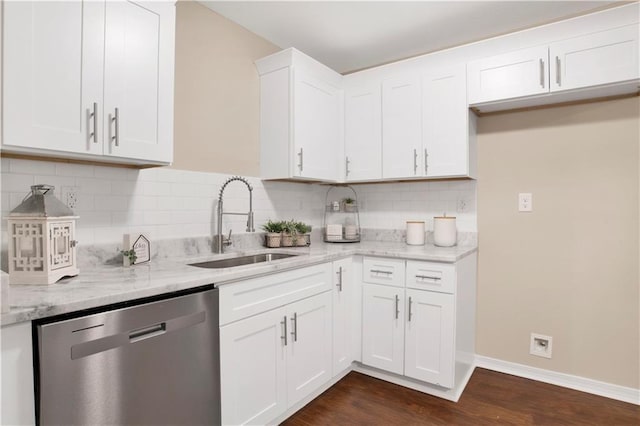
x,y
136,249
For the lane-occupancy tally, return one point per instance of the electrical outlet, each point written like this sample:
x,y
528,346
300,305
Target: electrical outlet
x,y
70,196
541,345
525,202
461,205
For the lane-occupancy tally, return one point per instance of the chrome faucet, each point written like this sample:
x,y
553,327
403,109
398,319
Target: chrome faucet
x,y
226,241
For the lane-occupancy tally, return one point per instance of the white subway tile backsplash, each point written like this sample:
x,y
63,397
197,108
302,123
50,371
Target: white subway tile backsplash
x,y
93,186
31,167
112,203
169,203
13,182
75,170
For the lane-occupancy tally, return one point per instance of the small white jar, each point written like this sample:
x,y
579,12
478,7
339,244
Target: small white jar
x,y
415,233
445,233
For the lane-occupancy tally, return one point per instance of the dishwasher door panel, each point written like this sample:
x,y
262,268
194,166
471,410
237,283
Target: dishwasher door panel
x,y
151,364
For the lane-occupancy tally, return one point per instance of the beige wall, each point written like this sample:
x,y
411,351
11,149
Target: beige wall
x,y
217,93
569,269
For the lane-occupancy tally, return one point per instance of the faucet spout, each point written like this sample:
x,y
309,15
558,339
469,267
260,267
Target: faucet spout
x,y
221,240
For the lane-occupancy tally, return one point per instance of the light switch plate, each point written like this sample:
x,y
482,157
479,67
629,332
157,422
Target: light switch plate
x,y
525,202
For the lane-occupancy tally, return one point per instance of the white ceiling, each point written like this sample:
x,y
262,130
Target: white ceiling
x,y
351,35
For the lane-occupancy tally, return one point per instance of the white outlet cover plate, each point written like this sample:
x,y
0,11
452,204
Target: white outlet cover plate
x,y
525,202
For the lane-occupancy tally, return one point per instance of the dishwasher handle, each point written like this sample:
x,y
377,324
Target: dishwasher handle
x,y
102,344
147,332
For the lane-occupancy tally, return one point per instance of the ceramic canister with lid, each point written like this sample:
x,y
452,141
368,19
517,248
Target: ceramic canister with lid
x,y
444,231
415,233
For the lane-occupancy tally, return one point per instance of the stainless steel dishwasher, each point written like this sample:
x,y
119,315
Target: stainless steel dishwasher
x,y
155,363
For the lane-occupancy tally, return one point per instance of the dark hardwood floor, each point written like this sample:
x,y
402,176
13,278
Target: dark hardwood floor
x,y
490,398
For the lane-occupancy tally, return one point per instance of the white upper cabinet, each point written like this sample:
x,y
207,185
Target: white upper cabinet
x,y
316,127
601,64
601,58
52,66
510,75
139,56
69,65
401,127
363,132
448,143
301,118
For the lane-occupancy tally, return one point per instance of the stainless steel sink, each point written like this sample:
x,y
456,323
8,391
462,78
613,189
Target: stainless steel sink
x,y
243,260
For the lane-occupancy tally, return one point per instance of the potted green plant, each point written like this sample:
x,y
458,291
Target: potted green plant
x,y
289,233
304,234
349,204
273,237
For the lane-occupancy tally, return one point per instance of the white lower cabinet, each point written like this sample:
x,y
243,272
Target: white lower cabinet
x,y
252,369
411,330
343,302
383,327
308,351
18,403
429,337
272,360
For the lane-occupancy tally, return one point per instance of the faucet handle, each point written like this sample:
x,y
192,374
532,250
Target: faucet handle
x,y
227,241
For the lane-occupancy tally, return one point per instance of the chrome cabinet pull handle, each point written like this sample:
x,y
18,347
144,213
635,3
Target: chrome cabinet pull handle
x,y
116,132
346,166
558,80
294,326
415,161
426,163
427,277
378,271
409,309
542,73
94,118
339,285
301,163
284,336
397,306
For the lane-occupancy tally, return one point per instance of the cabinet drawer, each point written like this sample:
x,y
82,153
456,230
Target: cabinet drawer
x,y
253,296
383,271
431,276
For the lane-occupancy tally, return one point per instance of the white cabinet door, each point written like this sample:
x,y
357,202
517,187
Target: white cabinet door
x,y
309,349
445,124
383,327
52,66
363,133
139,54
401,128
252,369
18,405
600,58
511,75
316,128
342,310
430,337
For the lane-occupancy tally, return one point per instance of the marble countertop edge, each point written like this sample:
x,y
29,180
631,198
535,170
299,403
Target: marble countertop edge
x,y
108,284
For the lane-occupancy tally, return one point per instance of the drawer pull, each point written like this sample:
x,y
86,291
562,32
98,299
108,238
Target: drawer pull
x,y
410,309
339,285
427,277
378,271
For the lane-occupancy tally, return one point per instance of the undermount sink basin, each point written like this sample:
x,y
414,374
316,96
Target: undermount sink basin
x,y
243,260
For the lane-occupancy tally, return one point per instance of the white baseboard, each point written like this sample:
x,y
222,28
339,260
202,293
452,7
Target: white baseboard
x,y
608,390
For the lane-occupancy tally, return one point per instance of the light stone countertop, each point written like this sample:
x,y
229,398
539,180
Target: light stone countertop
x,y
108,284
